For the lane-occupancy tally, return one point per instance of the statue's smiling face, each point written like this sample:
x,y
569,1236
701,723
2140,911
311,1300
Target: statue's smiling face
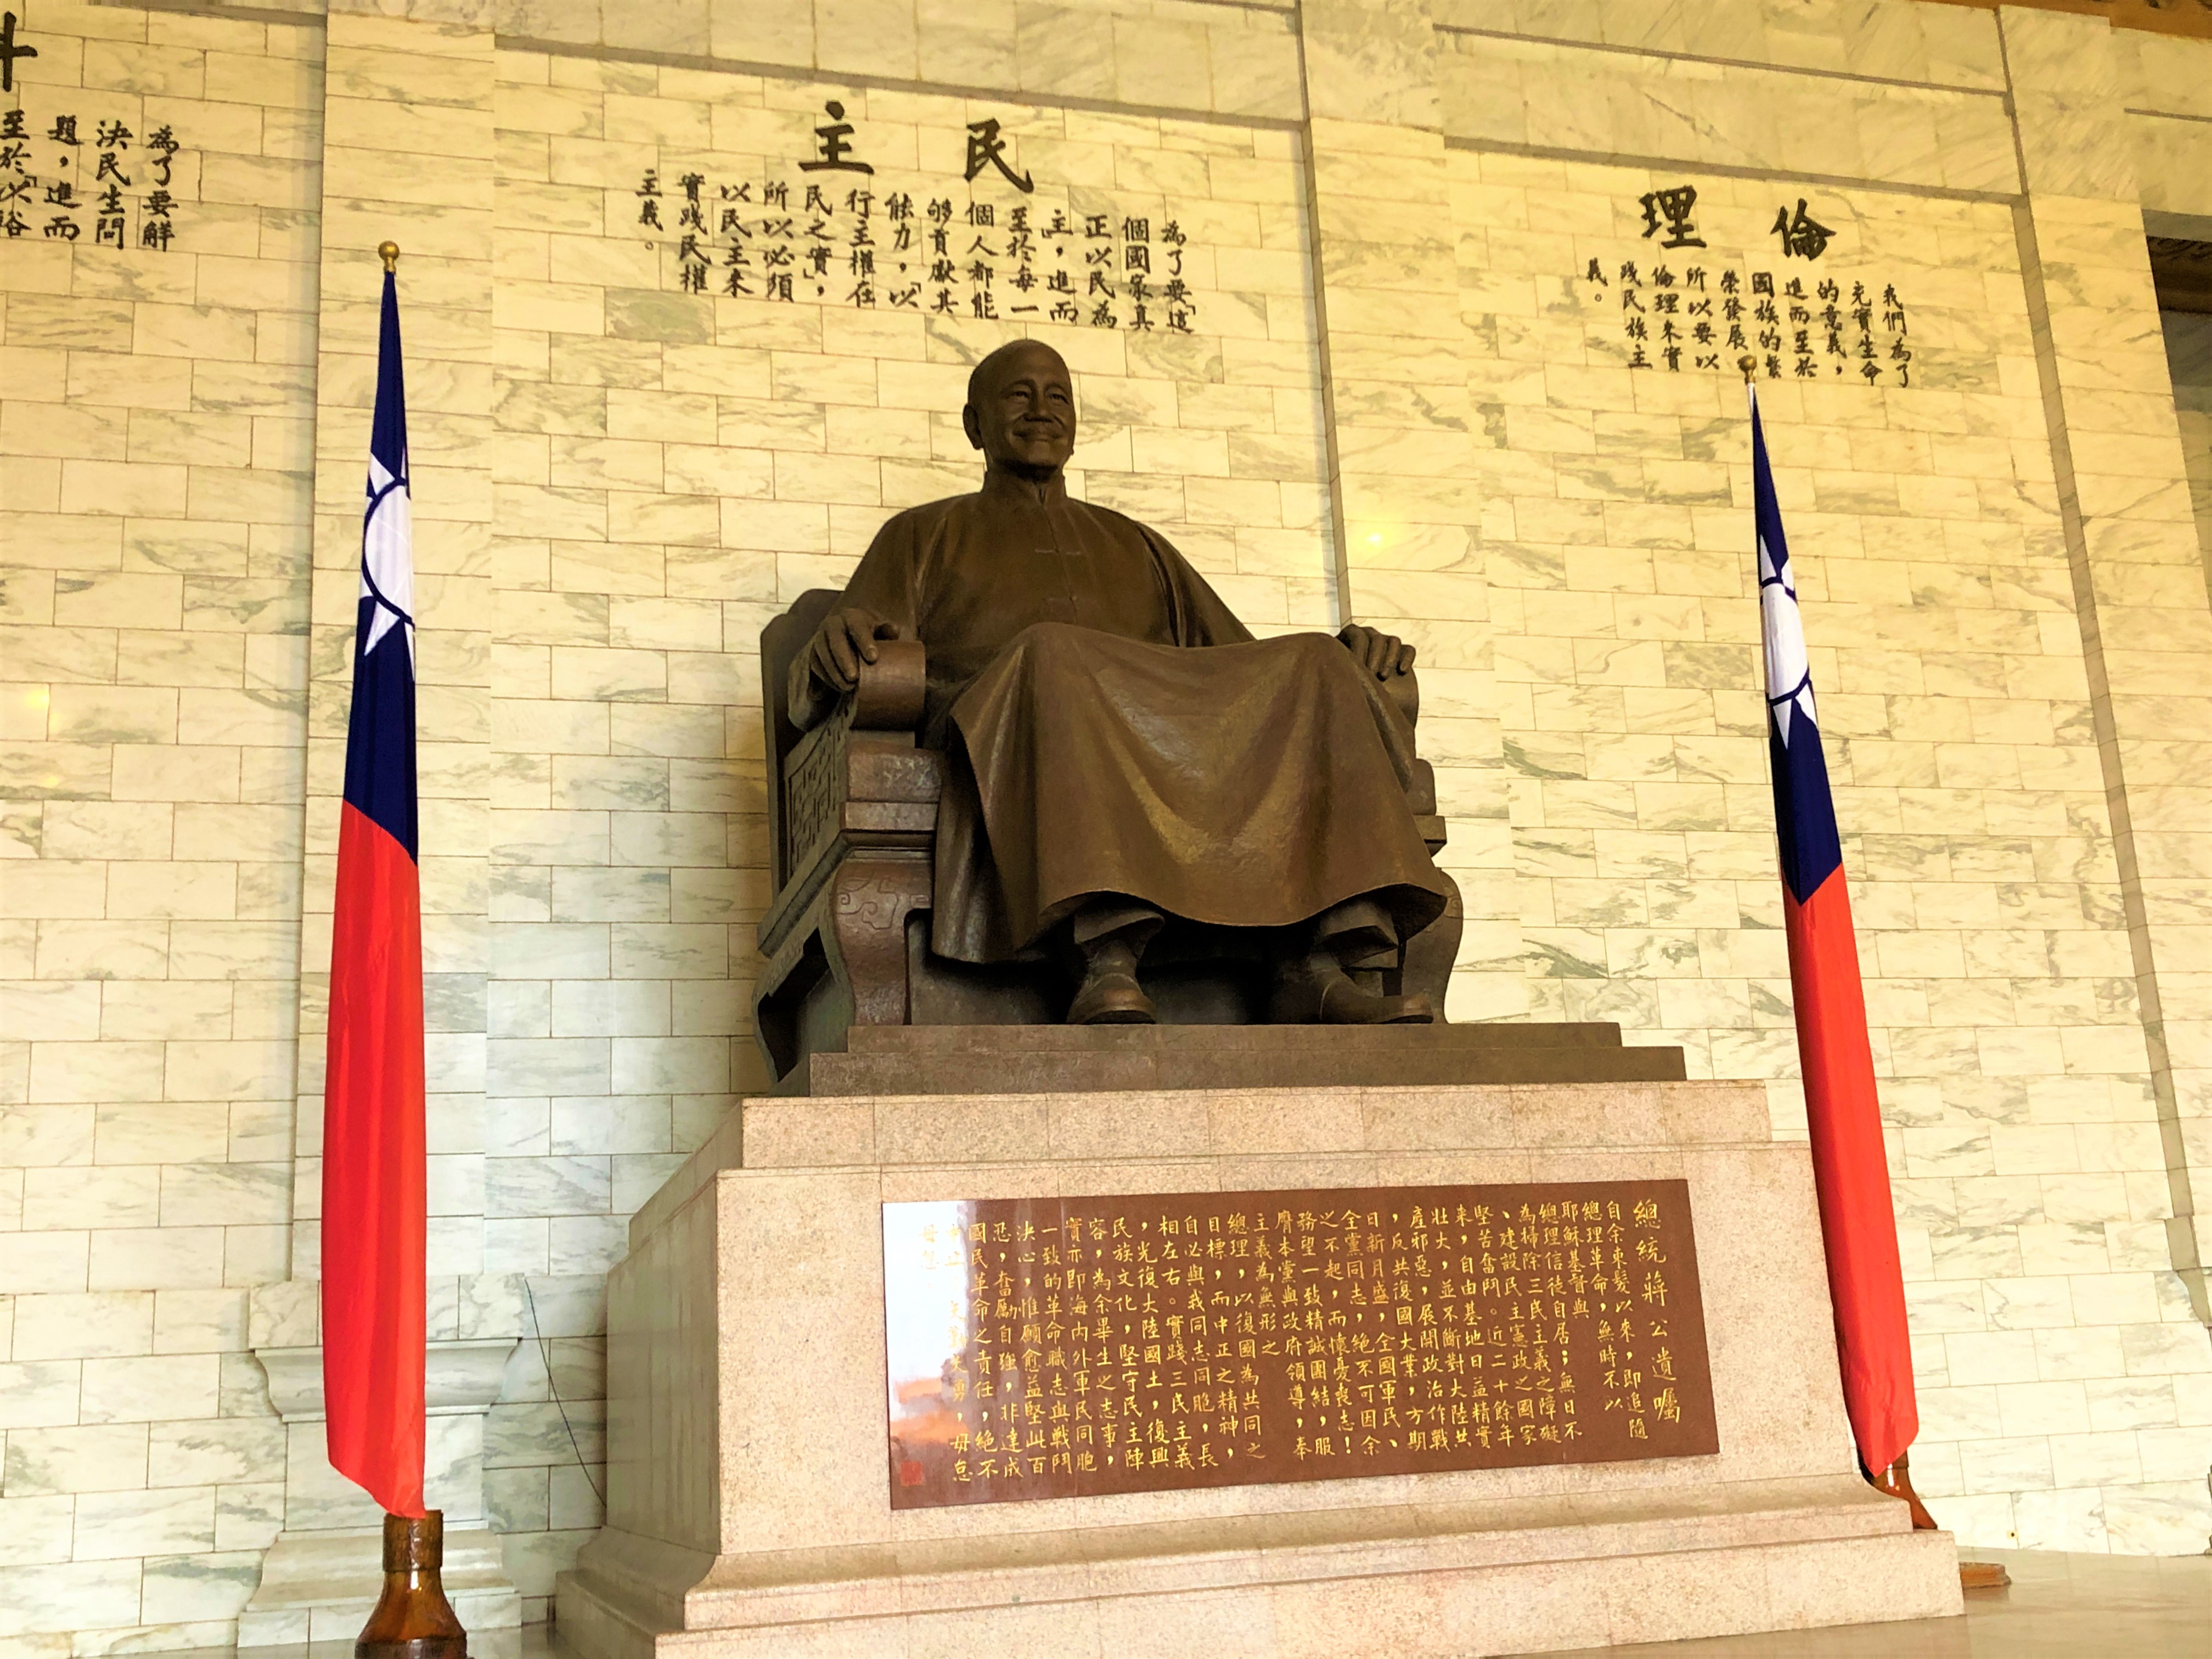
x,y
1021,410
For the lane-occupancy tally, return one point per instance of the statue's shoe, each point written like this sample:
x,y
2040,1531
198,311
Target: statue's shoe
x,y
1111,999
1326,996
1344,1003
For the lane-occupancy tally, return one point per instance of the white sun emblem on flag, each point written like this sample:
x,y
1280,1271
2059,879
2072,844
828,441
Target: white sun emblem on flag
x,y
1789,675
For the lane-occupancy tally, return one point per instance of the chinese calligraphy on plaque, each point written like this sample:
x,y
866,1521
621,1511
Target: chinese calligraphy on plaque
x,y
107,185
828,230
1794,316
1068,1347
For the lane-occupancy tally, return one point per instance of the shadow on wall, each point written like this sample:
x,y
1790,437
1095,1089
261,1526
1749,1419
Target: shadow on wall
x,y
2189,361
2188,358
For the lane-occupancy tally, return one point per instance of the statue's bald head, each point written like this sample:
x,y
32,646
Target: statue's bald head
x,y
1010,360
1021,409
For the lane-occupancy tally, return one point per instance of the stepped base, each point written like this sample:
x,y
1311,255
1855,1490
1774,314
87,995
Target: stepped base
x,y
1504,1575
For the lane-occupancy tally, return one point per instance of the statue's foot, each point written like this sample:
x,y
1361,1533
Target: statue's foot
x,y
1345,1004
1111,997
1324,994
1111,936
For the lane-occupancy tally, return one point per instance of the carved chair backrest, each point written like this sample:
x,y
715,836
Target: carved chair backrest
x,y
781,642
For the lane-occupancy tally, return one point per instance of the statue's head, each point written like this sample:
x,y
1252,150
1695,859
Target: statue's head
x,y
1021,409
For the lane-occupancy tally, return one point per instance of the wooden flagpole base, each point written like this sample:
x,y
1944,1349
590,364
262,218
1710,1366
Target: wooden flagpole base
x,y
1896,1481
412,1618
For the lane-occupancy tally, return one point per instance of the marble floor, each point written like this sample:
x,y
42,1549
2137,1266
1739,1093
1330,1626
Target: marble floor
x,y
2059,1606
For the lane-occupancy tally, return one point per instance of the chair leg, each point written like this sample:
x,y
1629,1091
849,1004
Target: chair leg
x,y
845,963
868,902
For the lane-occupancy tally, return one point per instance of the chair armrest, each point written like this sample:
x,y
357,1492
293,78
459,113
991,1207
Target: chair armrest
x,y
889,697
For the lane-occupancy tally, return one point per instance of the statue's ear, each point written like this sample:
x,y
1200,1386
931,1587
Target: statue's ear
x,y
972,424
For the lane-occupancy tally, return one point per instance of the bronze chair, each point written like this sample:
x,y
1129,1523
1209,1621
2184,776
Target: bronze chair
x,y
852,809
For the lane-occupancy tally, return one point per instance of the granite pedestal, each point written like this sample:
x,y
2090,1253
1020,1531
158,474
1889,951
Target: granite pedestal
x,y
748,1507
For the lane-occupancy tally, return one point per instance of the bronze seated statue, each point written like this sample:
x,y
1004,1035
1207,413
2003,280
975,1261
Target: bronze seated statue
x,y
1028,768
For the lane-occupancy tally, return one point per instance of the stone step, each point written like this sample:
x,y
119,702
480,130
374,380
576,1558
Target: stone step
x,y
943,1060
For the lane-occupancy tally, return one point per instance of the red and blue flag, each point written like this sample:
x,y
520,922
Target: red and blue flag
x,y
374,1173
1850,1168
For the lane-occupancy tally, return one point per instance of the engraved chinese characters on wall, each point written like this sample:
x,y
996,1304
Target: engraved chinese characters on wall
x,y
1069,1347
1797,312
98,182
828,230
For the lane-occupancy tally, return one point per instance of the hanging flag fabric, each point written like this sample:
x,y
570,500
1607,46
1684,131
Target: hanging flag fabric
x,y
1850,1170
374,1203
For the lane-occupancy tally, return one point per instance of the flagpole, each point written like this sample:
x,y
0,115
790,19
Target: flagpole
x,y
1849,1167
375,1216
1851,1176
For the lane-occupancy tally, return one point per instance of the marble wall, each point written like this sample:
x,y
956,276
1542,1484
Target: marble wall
x,y
157,422
1402,398
1956,712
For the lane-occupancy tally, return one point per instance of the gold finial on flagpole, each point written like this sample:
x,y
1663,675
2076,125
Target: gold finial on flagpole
x,y
389,253
1748,363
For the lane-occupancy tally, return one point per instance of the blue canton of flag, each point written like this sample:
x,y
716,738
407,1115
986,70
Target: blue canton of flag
x,y
1804,812
379,778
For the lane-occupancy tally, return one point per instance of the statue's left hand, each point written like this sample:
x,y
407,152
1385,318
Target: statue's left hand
x,y
1381,654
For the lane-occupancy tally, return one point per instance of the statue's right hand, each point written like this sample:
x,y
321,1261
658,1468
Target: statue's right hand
x,y
847,639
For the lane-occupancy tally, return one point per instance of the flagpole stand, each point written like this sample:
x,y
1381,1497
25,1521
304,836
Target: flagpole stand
x,y
412,1618
1896,1481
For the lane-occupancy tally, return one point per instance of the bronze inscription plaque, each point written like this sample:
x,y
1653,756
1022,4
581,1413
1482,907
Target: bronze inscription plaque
x,y
1066,1347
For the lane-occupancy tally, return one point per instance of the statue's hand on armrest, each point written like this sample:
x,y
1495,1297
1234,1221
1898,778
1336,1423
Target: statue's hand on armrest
x,y
1390,660
847,638
1381,654
857,653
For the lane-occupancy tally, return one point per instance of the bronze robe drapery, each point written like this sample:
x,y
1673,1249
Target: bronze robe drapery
x,y
1091,750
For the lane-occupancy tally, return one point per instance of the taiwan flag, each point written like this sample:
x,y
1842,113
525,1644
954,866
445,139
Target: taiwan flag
x,y
1849,1169
374,1203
